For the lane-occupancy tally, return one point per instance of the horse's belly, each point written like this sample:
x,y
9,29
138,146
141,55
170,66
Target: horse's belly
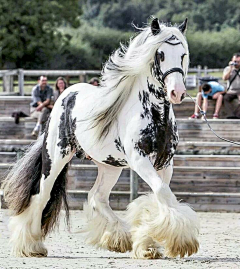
x,y
106,151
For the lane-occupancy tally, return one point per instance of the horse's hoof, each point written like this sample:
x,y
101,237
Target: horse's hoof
x,y
116,242
39,255
188,249
148,254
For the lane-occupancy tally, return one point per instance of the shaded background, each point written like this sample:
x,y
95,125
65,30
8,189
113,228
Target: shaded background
x,y
79,34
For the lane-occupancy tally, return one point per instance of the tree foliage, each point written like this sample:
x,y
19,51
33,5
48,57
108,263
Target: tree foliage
x,y
90,46
29,30
46,34
202,14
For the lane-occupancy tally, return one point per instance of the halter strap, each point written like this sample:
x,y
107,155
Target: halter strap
x,y
172,70
162,75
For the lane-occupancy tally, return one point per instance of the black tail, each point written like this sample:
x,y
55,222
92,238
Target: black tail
x,y
52,210
23,181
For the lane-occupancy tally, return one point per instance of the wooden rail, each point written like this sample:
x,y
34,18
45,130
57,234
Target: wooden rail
x,y
7,76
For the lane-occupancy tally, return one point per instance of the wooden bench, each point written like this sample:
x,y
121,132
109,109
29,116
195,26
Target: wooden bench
x,y
10,130
200,201
8,104
207,147
1,197
189,130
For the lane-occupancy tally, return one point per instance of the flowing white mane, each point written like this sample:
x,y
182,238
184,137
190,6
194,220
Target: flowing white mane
x,y
122,69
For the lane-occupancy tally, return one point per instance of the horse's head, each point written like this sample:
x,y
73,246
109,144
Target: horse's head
x,y
171,62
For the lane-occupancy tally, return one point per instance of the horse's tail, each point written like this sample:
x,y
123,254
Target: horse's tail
x,y
51,212
23,181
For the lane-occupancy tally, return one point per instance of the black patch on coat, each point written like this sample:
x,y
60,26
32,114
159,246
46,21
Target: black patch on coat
x,y
140,96
115,162
145,104
160,138
67,127
158,92
119,145
46,161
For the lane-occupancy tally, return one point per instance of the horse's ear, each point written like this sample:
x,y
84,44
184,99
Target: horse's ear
x,y
183,27
155,27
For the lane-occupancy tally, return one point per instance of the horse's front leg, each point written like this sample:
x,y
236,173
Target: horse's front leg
x,y
104,228
159,219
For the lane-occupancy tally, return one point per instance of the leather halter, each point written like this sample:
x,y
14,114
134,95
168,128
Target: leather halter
x,y
162,75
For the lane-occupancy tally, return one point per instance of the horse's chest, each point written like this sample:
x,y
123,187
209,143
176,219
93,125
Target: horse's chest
x,y
158,138
158,141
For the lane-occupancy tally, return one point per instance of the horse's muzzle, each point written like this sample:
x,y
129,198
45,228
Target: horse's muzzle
x,y
177,97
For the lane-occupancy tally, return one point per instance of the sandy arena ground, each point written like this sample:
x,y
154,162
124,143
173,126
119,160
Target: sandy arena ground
x,y
219,248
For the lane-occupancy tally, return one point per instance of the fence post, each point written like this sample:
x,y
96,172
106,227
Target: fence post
x,y
198,74
133,185
21,81
8,83
205,70
81,78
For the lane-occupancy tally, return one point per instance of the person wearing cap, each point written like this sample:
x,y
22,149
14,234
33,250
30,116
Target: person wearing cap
x,y
209,90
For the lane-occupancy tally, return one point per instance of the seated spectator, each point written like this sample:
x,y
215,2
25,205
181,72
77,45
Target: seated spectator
x,y
60,86
94,81
231,73
210,90
41,98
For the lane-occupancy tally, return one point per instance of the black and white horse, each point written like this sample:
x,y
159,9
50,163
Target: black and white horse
x,y
127,121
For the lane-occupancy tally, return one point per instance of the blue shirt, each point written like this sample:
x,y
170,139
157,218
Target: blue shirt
x,y
215,86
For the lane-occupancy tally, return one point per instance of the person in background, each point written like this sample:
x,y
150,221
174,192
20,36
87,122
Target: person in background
x,y
94,81
60,86
231,73
41,98
210,90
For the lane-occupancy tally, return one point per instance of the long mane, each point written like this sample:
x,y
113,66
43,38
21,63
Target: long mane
x,y
121,71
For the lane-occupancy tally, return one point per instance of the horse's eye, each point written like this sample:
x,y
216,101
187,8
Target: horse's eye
x,y
160,56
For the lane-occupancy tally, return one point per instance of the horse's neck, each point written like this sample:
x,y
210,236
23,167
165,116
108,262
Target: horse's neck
x,y
149,93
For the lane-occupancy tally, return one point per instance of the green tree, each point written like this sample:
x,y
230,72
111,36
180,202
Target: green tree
x,y
90,46
29,30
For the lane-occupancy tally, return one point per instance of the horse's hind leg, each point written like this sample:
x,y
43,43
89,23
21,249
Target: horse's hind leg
x,y
104,228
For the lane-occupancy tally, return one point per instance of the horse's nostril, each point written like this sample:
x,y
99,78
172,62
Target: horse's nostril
x,y
173,93
183,96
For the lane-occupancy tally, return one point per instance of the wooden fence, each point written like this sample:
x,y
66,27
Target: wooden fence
x,y
8,76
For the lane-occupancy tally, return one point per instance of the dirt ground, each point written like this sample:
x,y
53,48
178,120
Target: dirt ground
x,y
219,247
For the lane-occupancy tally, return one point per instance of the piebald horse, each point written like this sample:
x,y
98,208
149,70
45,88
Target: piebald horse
x,y
127,121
